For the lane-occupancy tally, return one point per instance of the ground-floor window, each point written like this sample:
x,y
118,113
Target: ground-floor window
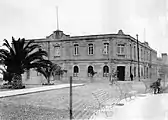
x,y
134,71
90,71
105,71
141,71
28,74
147,72
75,71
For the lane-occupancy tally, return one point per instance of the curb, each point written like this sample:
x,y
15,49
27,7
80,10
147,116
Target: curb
x,y
10,93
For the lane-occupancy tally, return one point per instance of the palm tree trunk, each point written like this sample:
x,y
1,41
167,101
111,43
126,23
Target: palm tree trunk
x,y
17,81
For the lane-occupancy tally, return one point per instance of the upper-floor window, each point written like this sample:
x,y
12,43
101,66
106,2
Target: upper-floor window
x,y
57,51
130,51
76,49
106,48
90,49
141,54
144,54
134,52
121,49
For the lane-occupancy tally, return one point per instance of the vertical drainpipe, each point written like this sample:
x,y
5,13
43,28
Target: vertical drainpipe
x,y
138,57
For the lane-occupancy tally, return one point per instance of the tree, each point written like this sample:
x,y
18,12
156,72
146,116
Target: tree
x,y
20,57
50,70
113,76
6,75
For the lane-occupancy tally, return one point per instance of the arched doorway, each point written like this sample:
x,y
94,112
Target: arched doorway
x,y
105,71
90,71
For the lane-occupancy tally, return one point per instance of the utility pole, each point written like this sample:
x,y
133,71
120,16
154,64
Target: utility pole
x,y
70,102
138,57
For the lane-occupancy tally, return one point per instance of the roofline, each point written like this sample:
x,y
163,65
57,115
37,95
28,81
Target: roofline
x,y
93,37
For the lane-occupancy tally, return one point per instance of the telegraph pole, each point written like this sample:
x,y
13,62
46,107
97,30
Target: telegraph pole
x,y
70,100
138,58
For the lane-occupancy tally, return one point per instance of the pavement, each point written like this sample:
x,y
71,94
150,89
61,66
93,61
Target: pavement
x,y
34,90
144,107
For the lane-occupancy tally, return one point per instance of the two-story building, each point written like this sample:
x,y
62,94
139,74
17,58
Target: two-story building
x,y
80,55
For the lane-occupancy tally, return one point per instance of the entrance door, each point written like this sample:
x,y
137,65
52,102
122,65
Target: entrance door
x,y
121,73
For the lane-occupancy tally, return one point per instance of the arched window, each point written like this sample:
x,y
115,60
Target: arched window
x,y
75,71
90,71
105,71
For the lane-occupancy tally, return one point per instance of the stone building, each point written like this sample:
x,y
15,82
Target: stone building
x,y
80,55
162,67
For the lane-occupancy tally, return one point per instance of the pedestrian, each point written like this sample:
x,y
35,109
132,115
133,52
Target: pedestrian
x,y
131,76
157,86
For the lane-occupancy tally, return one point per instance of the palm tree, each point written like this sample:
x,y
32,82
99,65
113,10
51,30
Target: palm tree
x,y
20,57
6,75
50,70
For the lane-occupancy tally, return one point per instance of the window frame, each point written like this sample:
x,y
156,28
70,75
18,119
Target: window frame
x,y
75,74
76,49
106,48
58,49
105,72
90,49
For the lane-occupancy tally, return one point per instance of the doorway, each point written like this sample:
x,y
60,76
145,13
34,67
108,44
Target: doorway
x,y
121,73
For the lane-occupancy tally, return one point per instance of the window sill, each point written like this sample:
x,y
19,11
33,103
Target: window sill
x,y
76,55
56,56
90,54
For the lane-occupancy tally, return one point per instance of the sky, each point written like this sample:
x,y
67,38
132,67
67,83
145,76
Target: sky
x,y
33,19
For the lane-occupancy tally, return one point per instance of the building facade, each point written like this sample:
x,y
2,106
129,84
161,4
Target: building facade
x,y
80,55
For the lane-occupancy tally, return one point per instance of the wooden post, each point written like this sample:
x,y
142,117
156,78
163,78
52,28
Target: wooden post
x,y
70,102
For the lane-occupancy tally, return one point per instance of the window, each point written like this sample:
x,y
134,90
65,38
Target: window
x,y
90,71
76,49
134,52
28,74
106,48
90,49
141,54
105,71
141,71
120,49
57,51
130,51
75,71
144,55
38,74
147,72
134,71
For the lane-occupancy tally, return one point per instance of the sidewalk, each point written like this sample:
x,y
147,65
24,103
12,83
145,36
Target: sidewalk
x,y
144,107
34,90
114,113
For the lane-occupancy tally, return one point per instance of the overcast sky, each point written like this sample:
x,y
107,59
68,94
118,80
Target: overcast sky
x,y
37,19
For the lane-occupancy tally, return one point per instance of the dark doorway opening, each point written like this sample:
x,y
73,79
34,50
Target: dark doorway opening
x,y
121,73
